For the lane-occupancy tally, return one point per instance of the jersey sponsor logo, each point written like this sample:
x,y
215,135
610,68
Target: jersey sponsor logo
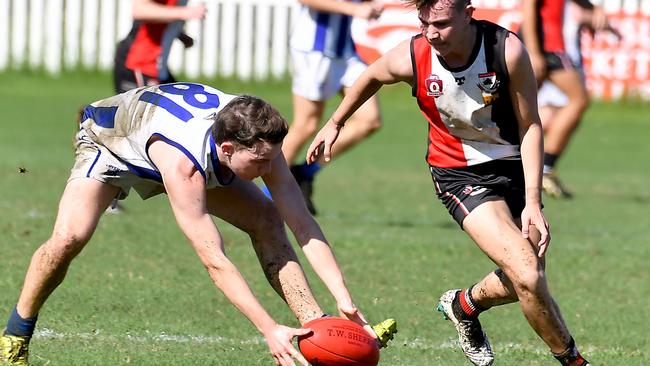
x,y
488,82
460,80
433,85
473,191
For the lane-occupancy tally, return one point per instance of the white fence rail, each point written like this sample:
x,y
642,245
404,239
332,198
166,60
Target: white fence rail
x,y
242,38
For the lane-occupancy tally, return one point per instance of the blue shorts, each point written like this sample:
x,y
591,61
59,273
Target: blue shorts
x,y
462,190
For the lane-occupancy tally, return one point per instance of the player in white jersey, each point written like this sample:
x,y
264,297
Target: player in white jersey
x,y
324,62
474,83
202,148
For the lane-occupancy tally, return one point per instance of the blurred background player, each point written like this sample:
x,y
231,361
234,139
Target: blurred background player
x,y
576,20
324,62
141,58
542,32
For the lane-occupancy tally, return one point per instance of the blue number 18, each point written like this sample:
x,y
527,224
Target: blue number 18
x,y
189,92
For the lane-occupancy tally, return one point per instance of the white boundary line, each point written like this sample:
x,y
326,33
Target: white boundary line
x,y
416,343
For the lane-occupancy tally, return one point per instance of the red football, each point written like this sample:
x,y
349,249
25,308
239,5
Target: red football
x,y
338,342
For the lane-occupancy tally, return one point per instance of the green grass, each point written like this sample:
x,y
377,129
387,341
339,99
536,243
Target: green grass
x,y
138,294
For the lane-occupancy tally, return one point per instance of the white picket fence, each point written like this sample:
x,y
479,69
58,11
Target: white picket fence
x,y
242,38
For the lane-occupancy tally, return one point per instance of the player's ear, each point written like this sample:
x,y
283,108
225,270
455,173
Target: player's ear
x,y
228,148
469,11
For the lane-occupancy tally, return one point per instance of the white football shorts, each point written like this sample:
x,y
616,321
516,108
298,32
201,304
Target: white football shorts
x,y
95,161
318,77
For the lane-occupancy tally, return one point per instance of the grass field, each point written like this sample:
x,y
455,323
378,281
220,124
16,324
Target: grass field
x,y
138,294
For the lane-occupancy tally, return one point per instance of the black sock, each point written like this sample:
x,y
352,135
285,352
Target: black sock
x,y
571,357
549,160
464,306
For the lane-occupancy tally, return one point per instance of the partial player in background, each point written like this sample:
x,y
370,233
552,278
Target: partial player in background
x,y
542,32
324,63
202,148
576,20
475,86
141,57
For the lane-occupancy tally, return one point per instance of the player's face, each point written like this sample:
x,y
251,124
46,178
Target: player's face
x,y
250,163
443,26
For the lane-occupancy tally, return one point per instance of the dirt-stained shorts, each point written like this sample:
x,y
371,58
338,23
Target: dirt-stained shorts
x,y
95,161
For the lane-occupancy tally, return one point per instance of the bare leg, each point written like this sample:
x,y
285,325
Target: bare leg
x,y
82,203
567,118
243,205
306,118
497,234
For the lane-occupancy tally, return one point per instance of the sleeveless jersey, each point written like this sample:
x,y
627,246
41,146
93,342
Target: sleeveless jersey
x,y
147,46
181,114
319,31
550,17
469,111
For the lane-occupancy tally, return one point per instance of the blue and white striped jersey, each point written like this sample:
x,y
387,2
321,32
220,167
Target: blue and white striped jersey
x,y
181,114
319,31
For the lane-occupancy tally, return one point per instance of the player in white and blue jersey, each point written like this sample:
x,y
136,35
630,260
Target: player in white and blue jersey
x,y
201,147
324,63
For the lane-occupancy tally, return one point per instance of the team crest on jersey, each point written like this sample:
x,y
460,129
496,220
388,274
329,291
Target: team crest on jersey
x,y
433,85
488,82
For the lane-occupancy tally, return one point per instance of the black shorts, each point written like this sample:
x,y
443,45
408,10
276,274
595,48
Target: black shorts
x,y
558,61
464,189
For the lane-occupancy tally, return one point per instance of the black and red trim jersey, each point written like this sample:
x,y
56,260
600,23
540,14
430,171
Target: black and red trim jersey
x,y
147,46
469,110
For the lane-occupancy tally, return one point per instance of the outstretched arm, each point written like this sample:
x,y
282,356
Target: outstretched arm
x,y
524,98
185,187
289,202
391,68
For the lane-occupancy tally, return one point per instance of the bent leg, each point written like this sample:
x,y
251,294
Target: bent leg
x,y
560,130
243,205
82,203
494,230
306,118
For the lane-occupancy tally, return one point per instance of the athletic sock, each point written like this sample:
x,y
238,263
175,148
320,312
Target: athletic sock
x,y
464,306
549,162
19,326
571,357
309,170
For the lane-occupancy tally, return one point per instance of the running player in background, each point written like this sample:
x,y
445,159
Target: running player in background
x,y
202,148
542,32
324,62
475,86
576,19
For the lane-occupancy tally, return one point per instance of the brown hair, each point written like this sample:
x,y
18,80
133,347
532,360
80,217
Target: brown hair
x,y
457,4
247,120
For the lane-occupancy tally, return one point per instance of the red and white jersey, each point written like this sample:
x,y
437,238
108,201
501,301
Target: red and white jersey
x,y
550,19
470,114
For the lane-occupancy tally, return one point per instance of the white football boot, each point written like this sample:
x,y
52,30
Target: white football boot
x,y
473,340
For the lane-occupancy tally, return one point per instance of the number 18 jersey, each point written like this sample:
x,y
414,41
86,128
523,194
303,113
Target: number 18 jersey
x,y
181,114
